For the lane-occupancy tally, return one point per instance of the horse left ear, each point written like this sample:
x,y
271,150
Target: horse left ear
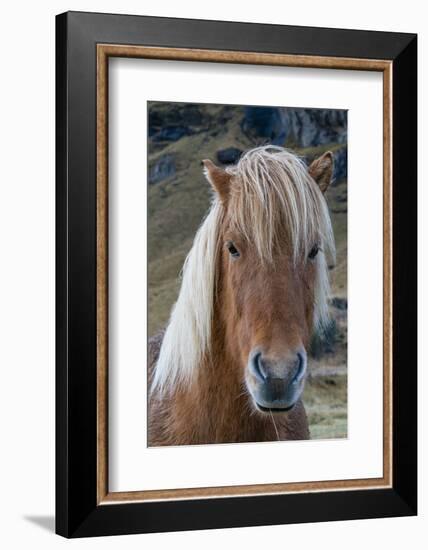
x,y
218,178
321,170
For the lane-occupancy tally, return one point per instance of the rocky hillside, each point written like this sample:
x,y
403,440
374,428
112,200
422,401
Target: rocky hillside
x,y
180,136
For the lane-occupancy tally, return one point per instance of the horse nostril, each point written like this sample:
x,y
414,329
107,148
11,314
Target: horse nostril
x,y
258,368
300,368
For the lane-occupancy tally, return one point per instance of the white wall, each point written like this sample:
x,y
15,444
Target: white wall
x,y
27,271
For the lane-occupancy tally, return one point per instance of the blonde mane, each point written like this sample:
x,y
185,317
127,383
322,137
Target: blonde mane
x,y
272,197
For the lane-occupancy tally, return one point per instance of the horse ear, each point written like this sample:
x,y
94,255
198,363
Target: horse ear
x,y
218,178
321,170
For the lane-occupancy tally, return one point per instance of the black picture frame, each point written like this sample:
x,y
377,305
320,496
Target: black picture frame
x,y
77,511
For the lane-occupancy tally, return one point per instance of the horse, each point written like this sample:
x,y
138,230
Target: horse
x,y
231,364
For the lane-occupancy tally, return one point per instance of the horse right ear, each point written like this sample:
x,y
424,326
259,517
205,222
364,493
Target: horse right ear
x,y
321,170
218,178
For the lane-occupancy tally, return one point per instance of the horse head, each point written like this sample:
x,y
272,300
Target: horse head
x,y
272,275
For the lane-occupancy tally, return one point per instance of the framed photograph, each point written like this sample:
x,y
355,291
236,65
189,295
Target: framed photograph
x,y
236,274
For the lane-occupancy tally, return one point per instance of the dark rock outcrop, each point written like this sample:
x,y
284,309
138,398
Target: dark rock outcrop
x,y
162,169
172,121
323,343
172,133
301,127
230,155
340,164
268,124
314,127
340,303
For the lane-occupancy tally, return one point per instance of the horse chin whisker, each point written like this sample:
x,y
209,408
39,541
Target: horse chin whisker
x,y
243,393
274,425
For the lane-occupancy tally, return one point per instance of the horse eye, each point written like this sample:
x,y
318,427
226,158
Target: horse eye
x,y
314,251
233,250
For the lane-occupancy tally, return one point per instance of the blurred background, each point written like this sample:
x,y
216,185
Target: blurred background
x,y
180,135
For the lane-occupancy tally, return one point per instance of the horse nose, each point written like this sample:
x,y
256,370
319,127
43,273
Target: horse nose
x,y
291,369
278,382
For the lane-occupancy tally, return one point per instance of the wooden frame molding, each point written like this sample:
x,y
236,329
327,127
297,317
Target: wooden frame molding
x,y
104,52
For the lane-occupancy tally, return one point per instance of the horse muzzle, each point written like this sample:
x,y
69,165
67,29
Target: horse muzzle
x,y
276,384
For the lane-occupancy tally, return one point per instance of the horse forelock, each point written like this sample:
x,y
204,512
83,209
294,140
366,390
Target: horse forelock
x,y
272,198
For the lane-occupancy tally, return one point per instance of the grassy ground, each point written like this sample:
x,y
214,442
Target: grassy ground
x,y
176,207
325,399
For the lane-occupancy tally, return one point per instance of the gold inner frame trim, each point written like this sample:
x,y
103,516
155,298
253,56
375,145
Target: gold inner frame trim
x,y
104,51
